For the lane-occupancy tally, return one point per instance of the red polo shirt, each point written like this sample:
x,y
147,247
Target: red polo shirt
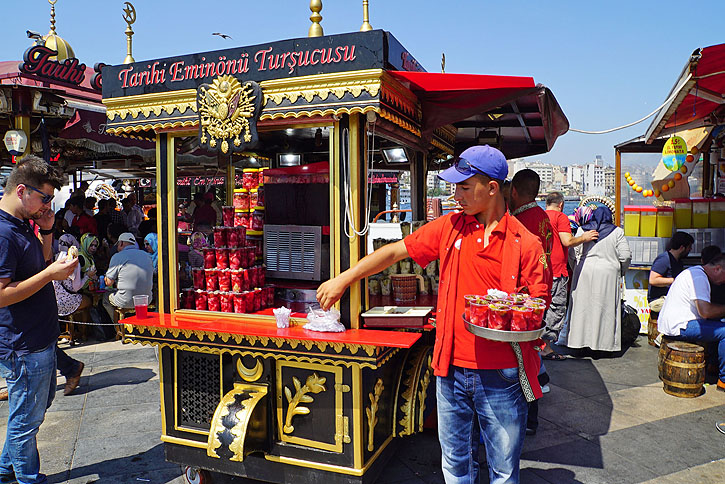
x,y
513,260
559,253
537,222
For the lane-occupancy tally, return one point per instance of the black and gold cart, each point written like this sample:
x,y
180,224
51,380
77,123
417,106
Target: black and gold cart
x,y
241,397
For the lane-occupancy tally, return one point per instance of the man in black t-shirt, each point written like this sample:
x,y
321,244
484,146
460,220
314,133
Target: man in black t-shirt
x,y
665,268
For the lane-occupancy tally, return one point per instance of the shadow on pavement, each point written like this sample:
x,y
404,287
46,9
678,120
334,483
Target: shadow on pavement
x,y
110,378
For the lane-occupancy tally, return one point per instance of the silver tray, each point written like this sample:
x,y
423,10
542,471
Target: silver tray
x,y
505,336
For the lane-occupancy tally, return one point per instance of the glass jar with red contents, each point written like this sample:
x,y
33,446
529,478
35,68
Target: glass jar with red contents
x,y
268,292
222,258
236,237
241,199
246,279
253,198
250,178
499,316
236,278
197,274
537,316
226,302
257,299
188,296
261,276
200,301
240,305
236,258
212,279
213,302
209,258
224,278
479,313
228,216
240,217
521,317
248,256
220,237
257,222
249,301
467,300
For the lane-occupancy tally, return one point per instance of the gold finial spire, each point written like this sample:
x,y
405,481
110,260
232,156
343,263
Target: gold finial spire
x,y
315,28
52,17
129,15
366,18
443,62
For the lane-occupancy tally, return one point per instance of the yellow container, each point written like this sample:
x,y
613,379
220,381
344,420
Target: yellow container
x,y
648,222
700,213
631,220
717,213
683,213
665,219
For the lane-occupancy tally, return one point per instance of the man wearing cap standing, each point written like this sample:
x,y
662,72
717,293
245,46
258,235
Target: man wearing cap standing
x,y
478,382
131,270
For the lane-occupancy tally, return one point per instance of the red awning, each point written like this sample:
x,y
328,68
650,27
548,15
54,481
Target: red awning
x,y
523,117
698,94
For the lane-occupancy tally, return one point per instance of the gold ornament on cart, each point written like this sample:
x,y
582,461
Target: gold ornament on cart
x,y
228,113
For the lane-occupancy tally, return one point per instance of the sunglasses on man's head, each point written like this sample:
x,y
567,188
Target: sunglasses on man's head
x,y
464,167
46,198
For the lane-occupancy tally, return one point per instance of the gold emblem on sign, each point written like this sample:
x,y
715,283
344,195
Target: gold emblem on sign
x,y
249,374
313,384
228,110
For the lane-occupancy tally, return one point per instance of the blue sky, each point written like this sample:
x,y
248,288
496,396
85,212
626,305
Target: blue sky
x,y
607,62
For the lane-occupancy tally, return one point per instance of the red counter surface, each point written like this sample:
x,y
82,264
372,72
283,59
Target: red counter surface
x,y
236,325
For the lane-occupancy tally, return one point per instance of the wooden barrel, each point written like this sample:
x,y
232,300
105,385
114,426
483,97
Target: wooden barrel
x,y
661,354
683,369
652,332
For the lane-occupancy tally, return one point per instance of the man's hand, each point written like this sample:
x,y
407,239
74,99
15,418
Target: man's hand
x,y
331,291
47,220
589,235
61,269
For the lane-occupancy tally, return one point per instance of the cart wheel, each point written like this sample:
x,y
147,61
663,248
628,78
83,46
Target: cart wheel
x,y
194,475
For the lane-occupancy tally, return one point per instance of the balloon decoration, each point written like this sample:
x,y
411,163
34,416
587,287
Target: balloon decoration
x,y
683,168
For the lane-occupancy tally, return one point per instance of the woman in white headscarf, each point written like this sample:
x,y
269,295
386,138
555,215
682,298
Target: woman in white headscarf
x,y
66,291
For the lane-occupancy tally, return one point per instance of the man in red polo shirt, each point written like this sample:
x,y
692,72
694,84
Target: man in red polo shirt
x,y
478,382
559,256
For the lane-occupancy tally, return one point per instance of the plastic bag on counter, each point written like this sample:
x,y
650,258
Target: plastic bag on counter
x,y
282,314
324,321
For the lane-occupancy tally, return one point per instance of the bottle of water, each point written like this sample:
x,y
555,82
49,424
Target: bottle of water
x,y
102,283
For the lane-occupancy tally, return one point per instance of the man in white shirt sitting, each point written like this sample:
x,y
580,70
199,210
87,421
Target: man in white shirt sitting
x,y
688,313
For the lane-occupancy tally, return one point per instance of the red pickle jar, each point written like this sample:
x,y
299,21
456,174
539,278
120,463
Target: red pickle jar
x,y
467,300
537,315
236,278
228,216
246,279
520,318
212,279
220,237
236,258
226,302
224,278
269,296
222,258
249,301
261,276
213,301
499,316
243,219
257,221
479,313
232,237
253,198
257,299
209,258
198,277
200,302
238,198
240,305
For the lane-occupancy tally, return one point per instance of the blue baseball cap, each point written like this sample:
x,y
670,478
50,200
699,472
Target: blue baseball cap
x,y
484,160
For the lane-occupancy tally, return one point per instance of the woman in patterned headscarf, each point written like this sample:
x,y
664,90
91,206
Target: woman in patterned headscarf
x,y
595,321
88,248
151,245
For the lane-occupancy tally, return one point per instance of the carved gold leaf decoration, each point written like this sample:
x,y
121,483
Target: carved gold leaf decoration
x,y
313,384
423,393
372,410
225,108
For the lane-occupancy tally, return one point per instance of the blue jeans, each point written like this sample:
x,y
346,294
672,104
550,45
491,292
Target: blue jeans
x,y
709,331
31,388
493,398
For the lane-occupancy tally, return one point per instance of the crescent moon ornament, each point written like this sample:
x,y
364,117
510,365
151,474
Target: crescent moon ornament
x,y
129,13
249,374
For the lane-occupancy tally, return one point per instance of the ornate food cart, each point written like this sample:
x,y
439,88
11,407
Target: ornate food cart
x,y
240,396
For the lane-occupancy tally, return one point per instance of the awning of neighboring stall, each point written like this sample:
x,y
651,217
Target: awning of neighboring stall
x,y
521,117
697,98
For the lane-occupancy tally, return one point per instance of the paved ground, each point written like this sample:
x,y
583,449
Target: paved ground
x,y
604,421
